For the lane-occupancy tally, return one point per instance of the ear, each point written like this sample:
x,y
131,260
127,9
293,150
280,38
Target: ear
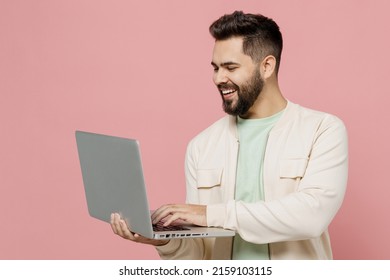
x,y
268,66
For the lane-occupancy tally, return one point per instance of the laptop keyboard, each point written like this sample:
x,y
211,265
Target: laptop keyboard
x,y
159,227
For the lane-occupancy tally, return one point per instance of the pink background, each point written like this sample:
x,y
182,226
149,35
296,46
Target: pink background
x,y
142,69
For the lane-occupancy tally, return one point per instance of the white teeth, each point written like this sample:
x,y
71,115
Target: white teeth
x,y
228,91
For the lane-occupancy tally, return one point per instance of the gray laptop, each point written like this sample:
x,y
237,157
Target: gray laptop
x,y
114,183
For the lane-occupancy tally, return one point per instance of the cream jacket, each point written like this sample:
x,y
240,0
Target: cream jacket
x,y
305,177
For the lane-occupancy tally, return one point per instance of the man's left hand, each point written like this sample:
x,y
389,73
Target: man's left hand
x,y
189,213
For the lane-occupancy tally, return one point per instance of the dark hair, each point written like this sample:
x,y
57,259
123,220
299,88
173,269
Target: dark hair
x,y
261,35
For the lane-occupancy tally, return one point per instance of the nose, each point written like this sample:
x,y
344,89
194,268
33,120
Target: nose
x,y
220,77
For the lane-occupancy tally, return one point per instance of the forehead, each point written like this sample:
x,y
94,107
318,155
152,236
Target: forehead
x,y
229,50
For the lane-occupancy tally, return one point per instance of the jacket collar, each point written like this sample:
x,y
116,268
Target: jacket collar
x,y
286,117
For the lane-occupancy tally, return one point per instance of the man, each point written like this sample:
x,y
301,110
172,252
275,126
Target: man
x,y
270,170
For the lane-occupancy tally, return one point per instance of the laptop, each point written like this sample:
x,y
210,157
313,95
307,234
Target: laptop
x,y
113,180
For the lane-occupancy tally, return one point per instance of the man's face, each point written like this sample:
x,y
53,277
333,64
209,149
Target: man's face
x,y
237,77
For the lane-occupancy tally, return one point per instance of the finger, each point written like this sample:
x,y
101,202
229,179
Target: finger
x,y
191,214
126,233
122,228
113,227
158,212
176,216
115,218
165,212
118,224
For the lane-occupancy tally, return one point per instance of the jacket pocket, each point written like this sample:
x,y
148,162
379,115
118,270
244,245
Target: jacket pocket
x,y
208,178
293,168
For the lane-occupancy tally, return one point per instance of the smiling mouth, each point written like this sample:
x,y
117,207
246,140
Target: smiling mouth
x,y
228,94
227,91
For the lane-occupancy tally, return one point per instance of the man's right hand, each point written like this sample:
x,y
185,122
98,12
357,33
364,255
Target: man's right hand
x,y
120,227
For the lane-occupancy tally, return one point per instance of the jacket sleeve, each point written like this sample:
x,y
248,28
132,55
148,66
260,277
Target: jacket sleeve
x,y
303,214
187,248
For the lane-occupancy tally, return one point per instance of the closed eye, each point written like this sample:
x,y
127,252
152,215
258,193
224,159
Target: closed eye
x,y
230,66
231,69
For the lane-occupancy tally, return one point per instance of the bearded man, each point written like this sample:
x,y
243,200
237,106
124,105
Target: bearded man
x,y
270,170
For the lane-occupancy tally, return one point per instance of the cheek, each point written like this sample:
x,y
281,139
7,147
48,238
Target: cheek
x,y
237,82
239,78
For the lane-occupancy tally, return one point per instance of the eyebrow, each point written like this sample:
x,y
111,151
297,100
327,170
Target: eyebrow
x,y
224,64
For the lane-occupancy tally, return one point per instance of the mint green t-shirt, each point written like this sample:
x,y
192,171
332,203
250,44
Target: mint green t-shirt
x,y
253,136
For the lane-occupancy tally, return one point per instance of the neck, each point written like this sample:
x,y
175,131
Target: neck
x,y
269,102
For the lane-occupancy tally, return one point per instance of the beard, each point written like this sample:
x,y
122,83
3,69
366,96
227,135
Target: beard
x,y
247,95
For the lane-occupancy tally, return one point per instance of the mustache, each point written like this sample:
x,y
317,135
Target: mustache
x,y
227,87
